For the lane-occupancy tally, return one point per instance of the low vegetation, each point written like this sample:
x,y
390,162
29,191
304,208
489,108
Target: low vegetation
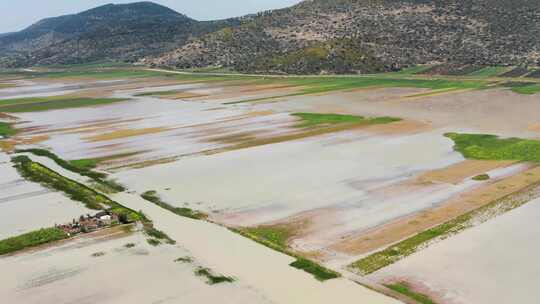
x,y
31,239
276,238
319,272
157,236
491,147
523,87
83,167
316,85
38,104
185,259
7,130
85,164
274,235
153,242
212,278
152,196
98,254
527,90
78,192
481,177
398,251
406,290
316,119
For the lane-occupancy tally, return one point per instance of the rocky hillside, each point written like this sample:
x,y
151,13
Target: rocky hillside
x,y
125,32
343,36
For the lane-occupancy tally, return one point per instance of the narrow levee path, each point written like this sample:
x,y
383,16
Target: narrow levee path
x,y
268,271
250,262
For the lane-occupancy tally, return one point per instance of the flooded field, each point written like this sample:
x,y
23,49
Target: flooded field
x,y
149,128
148,275
27,206
337,175
471,267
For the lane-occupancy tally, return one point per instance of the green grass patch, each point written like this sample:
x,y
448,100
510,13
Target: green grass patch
x,y
522,87
481,177
84,164
83,167
31,239
527,90
211,278
319,272
73,166
153,197
491,147
38,104
277,236
316,119
157,235
491,71
406,290
78,192
7,130
322,85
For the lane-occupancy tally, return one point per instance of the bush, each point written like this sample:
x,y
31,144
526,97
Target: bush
x,y
31,239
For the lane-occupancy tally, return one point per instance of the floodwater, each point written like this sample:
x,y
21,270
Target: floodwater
x,y
142,274
27,206
255,265
26,89
164,128
343,172
495,262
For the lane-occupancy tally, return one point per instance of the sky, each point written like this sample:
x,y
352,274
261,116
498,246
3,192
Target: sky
x,y
16,15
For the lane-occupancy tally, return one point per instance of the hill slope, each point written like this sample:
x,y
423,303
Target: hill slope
x,y
370,35
126,32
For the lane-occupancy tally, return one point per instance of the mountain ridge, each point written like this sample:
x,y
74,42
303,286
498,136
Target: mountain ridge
x,y
112,31
311,37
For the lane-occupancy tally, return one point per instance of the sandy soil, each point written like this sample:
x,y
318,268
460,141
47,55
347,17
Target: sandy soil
x,y
491,263
457,173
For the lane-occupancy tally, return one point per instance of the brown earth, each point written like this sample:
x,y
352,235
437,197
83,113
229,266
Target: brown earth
x,y
125,133
402,228
455,174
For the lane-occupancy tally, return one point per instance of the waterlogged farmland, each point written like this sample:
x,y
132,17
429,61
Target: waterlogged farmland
x,y
258,189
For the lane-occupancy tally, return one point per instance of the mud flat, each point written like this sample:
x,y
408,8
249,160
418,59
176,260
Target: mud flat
x,y
491,263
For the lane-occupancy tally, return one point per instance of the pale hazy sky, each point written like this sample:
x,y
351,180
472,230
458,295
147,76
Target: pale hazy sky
x,y
18,14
